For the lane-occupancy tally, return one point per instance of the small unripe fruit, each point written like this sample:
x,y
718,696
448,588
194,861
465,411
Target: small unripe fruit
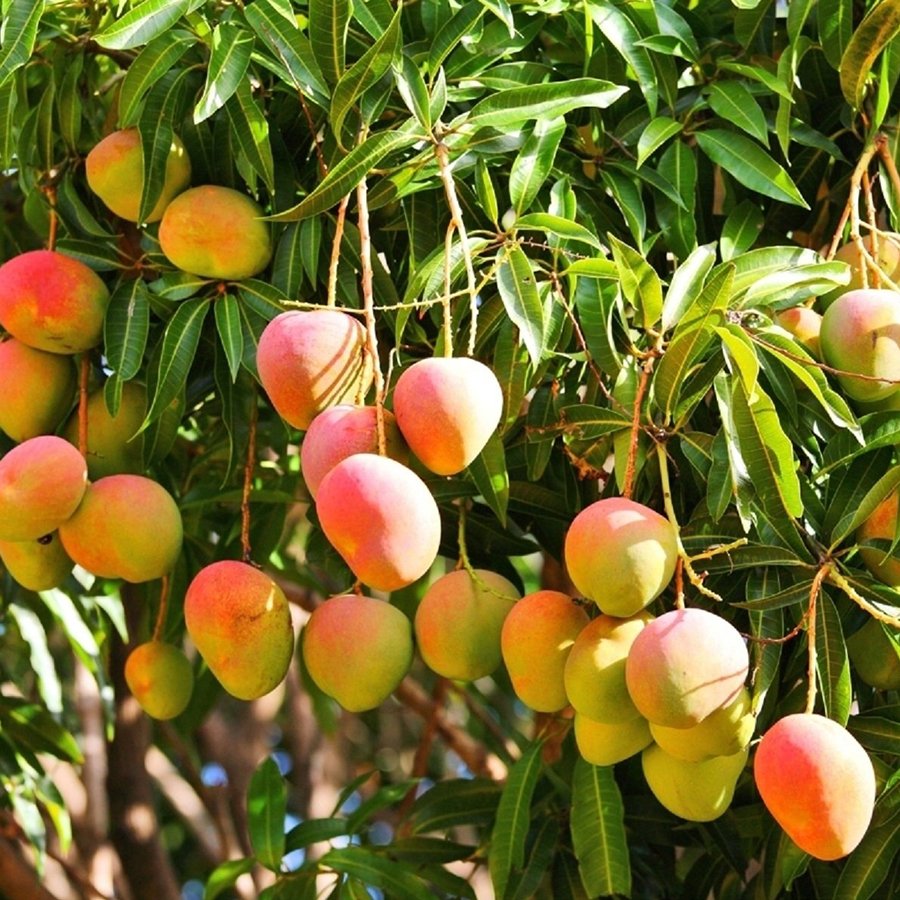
x,y
44,389
357,650
115,173
160,677
685,665
459,621
215,232
240,623
37,565
381,518
817,782
621,555
804,324
42,481
309,361
52,302
537,635
881,525
127,526
861,334
875,657
605,744
341,431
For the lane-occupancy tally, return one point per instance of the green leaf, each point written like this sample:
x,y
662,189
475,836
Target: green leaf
x,y
266,807
8,125
868,866
179,346
412,88
598,831
20,27
451,35
513,106
364,73
678,165
518,290
314,831
760,74
749,164
250,129
880,25
686,285
484,188
488,471
144,22
229,60
832,667
70,109
225,875
657,132
126,327
559,227
835,21
532,167
454,802
855,516
328,23
741,229
877,734
149,66
376,871
733,101
640,283
740,353
231,335
507,848
33,633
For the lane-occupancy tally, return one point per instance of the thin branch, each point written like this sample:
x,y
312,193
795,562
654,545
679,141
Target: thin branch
x,y
163,608
839,581
84,376
249,467
336,251
631,464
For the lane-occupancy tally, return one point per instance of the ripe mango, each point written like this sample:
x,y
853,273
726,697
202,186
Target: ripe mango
x,y
881,525
115,173
605,744
215,232
42,481
52,302
887,257
127,526
817,782
160,677
45,386
620,554
804,324
309,361
240,623
37,565
357,650
537,635
459,620
381,518
684,665
447,409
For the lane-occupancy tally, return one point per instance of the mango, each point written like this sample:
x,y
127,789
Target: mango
x,y
42,481
308,361
459,621
804,324
817,782
605,744
861,334
52,302
381,518
447,409
127,526
537,635
887,258
339,432
621,555
881,525
696,791
215,232
160,678
240,623
685,665
45,385
595,669
357,650
724,732
37,565
874,654
115,173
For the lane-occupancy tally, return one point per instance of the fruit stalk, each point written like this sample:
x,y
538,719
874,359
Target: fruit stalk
x,y
165,584
838,580
84,374
336,251
249,466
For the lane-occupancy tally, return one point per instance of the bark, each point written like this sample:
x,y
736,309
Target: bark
x,y
18,881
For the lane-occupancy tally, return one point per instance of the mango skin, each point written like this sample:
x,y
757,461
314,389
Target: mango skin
x,y
881,525
37,565
127,526
537,635
447,408
215,232
621,555
804,324
861,333
874,656
459,620
818,783
381,518
887,257
695,791
595,670
684,665
42,482
357,650
160,677
308,361
724,732
45,388
339,432
605,744
114,170
52,302
240,623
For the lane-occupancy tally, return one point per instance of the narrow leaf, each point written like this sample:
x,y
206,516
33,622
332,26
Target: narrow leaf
x,y
518,289
144,22
266,807
228,64
126,327
532,167
877,29
328,23
17,39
